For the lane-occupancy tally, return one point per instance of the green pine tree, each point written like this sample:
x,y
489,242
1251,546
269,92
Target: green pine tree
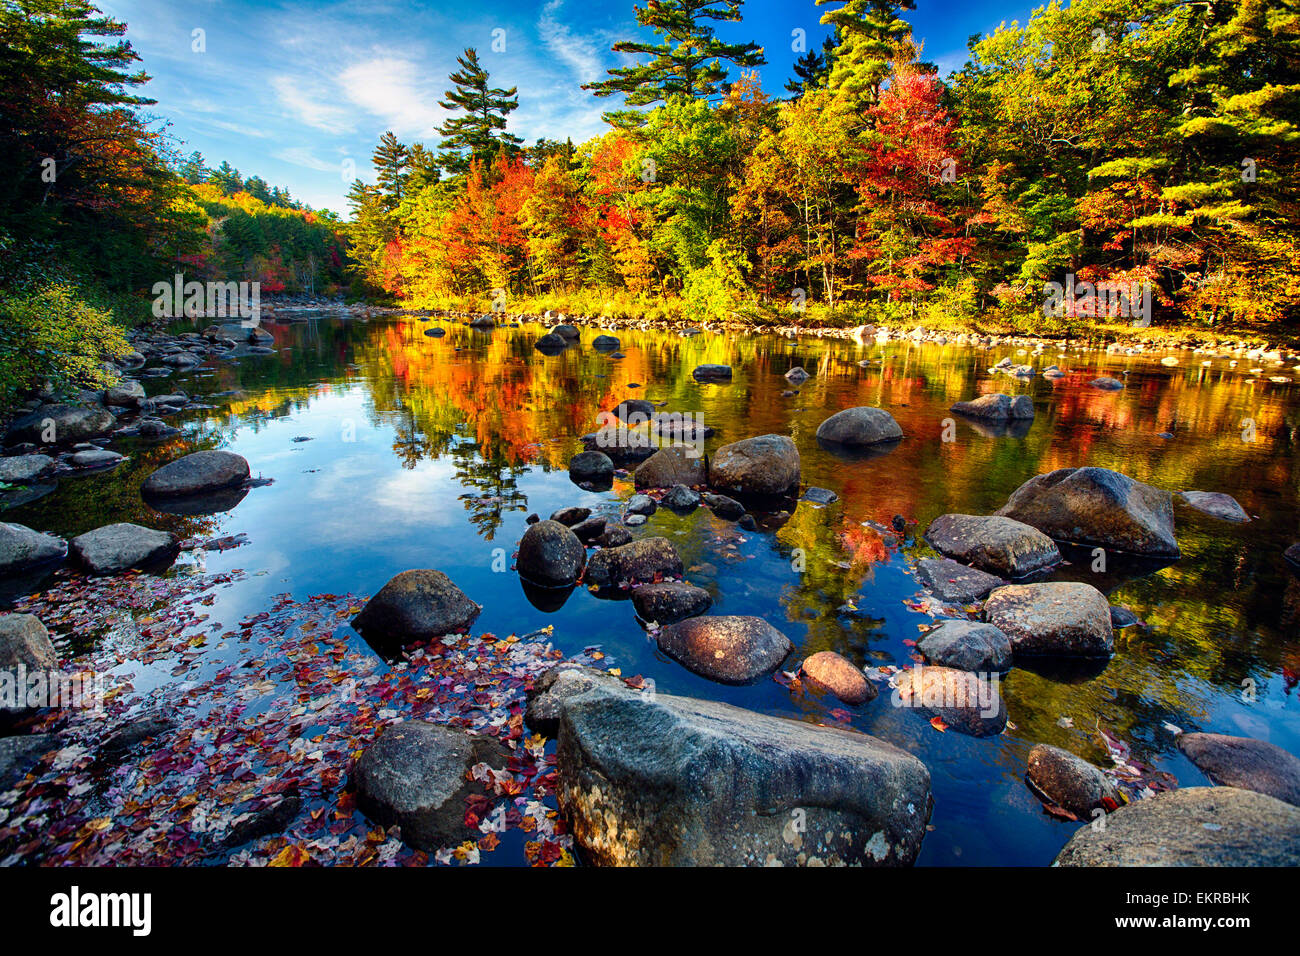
x,y
480,131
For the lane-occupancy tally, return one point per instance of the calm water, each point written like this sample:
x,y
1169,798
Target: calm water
x,y
430,452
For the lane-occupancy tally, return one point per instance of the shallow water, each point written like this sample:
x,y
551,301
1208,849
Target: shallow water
x,y
430,452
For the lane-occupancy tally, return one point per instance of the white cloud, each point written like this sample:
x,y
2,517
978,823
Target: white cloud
x,y
582,54
312,110
395,90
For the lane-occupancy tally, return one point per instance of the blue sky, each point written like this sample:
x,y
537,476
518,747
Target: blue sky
x,y
299,92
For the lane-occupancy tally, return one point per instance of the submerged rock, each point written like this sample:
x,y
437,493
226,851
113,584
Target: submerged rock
x,y
1195,826
1216,504
1245,763
671,466
551,554
672,781
19,754
115,548
20,469
863,425
729,509
415,605
593,466
1070,782
669,602
639,562
838,675
967,646
727,649
951,581
416,776
766,465
1097,506
998,545
62,424
964,701
200,472
1107,384
997,407
1059,618
712,373
22,548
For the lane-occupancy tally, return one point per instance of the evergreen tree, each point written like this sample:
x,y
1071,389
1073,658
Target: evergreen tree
x,y
423,166
391,160
226,178
688,60
256,187
812,69
193,170
480,131
869,32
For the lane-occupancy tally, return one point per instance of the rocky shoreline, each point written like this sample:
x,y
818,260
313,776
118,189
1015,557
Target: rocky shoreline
x,y
441,768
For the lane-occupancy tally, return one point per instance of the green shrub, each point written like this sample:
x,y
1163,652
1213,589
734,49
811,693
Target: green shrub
x,y
51,334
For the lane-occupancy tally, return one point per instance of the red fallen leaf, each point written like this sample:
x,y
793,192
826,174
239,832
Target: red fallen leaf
x,y
1110,803
488,841
550,852
938,724
471,820
909,642
1059,812
478,804
636,682
842,715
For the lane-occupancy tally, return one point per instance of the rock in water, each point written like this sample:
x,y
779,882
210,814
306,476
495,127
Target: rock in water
x,y
1196,826
712,373
965,702
967,646
860,426
1099,507
550,554
1107,384
415,605
766,465
671,466
672,781
1056,619
126,393
551,344
951,581
997,407
838,675
19,754
640,562
197,473
997,545
20,469
728,509
593,466
571,516
557,685
1070,782
1216,504
730,650
24,640
1245,763
681,498
62,424
797,376
416,776
115,548
22,548
605,343
669,602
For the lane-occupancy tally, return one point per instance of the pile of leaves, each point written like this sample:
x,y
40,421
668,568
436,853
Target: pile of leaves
x,y
253,731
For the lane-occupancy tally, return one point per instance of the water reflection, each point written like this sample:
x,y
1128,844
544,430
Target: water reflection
x,y
430,451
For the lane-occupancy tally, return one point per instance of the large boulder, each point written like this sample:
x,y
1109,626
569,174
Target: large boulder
x,y
1246,763
197,473
998,545
416,605
416,775
20,469
1197,826
727,649
22,548
62,424
997,407
766,465
640,562
126,393
671,466
115,548
659,780
964,701
550,554
669,601
967,646
837,674
1054,619
951,581
1070,782
24,640
859,426
1216,505
1097,507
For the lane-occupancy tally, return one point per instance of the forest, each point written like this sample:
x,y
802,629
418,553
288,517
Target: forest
x,y
1130,144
